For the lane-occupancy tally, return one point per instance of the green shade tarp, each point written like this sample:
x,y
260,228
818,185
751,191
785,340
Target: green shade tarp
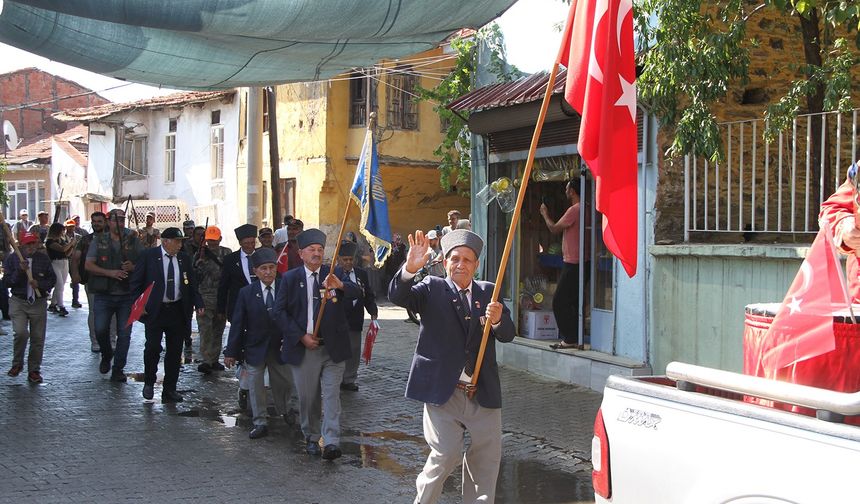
x,y
217,44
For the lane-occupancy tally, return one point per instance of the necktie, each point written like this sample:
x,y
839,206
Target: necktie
x,y
170,285
317,297
270,302
31,294
250,269
464,304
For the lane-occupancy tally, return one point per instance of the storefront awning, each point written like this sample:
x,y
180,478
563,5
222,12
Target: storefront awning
x,y
219,44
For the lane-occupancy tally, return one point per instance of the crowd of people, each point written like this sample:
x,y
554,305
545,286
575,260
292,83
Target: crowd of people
x,y
291,316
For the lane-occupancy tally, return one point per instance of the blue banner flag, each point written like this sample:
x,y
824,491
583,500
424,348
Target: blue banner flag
x,y
369,195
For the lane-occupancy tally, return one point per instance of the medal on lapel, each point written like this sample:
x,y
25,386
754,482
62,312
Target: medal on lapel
x,y
302,285
185,277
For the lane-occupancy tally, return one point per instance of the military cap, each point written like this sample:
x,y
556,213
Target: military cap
x,y
264,256
172,233
309,237
461,238
246,231
188,224
347,249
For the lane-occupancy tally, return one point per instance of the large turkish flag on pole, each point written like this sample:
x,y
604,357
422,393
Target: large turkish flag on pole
x,y
601,77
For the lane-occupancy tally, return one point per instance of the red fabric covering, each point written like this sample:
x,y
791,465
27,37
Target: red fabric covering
x,y
139,305
837,207
838,370
369,340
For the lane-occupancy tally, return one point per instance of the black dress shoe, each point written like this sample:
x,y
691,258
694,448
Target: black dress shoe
x,y
104,365
259,431
313,448
118,376
148,391
331,452
170,396
217,366
204,368
352,387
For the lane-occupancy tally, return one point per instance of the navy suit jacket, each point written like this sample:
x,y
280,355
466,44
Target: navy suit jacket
x,y
232,279
446,341
367,300
253,329
150,268
291,310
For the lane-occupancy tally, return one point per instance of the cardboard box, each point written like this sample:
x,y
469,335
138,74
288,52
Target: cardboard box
x,y
539,325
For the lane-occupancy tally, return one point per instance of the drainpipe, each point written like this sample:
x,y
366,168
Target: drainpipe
x,y
255,156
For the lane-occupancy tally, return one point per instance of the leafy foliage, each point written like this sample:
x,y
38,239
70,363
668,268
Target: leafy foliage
x,y
454,150
691,51
4,194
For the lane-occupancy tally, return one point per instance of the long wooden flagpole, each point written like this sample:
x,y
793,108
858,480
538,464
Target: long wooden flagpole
x,y
515,219
10,236
371,124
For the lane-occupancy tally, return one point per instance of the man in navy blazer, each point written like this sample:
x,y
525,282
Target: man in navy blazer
x,y
453,312
317,360
168,310
346,270
256,338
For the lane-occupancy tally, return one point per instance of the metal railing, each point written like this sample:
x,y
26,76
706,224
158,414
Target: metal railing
x,y
770,187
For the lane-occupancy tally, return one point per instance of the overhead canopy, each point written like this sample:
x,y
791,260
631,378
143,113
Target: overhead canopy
x,y
217,44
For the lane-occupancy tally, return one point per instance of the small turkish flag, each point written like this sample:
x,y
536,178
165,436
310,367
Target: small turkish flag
x,y
139,305
601,75
803,326
369,340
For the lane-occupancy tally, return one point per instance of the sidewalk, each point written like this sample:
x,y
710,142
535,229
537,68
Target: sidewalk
x,y
80,438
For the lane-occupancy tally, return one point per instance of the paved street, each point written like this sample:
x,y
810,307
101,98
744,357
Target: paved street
x,y
80,438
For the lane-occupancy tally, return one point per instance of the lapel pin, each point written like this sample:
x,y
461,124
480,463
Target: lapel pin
x,y
302,285
478,305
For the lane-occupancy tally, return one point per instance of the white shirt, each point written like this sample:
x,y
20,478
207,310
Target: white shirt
x,y
165,261
281,235
309,280
245,259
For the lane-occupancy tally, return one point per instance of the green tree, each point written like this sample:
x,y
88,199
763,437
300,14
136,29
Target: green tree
x,y
691,51
4,195
453,151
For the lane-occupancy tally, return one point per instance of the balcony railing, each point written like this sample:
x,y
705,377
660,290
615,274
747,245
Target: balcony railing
x,y
769,187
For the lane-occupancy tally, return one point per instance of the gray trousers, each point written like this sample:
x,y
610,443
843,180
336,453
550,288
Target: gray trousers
x,y
280,382
211,332
91,322
318,374
444,429
350,373
28,322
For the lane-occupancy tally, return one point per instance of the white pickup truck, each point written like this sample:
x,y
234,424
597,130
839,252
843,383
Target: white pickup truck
x,y
689,437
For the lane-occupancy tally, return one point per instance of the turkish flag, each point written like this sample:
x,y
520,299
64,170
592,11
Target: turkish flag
x,y
139,305
803,326
369,340
598,53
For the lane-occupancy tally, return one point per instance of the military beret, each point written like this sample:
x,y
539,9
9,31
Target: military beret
x,y
347,249
188,224
264,256
172,233
461,238
310,237
246,231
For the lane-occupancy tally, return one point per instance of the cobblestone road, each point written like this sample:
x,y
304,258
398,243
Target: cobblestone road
x,y
80,438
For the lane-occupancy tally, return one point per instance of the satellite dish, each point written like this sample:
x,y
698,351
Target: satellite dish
x,y
10,135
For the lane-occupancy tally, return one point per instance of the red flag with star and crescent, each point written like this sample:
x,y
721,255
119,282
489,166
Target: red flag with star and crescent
x,y
803,326
598,53
139,305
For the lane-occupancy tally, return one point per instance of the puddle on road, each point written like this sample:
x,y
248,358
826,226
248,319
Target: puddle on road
x,y
529,481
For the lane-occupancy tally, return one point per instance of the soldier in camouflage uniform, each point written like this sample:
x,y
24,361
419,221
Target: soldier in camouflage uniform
x,y
208,270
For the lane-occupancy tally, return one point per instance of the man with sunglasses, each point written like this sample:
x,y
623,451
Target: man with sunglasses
x,y
110,262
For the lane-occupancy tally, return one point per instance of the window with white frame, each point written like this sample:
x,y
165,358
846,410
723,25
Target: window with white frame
x,y
24,194
216,142
133,159
170,152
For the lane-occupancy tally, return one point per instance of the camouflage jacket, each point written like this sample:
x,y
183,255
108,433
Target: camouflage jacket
x,y
208,270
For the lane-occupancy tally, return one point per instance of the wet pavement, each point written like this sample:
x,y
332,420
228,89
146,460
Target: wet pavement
x,y
80,438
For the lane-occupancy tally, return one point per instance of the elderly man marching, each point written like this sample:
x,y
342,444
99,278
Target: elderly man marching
x,y
318,360
453,311
207,267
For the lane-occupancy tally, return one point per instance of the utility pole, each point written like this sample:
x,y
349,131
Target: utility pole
x,y
255,156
